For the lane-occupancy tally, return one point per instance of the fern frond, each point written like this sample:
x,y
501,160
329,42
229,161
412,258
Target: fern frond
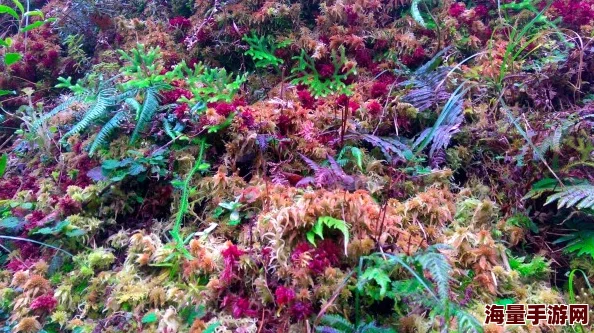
x,y
439,267
59,108
389,146
416,14
113,124
446,125
579,196
337,322
96,111
149,107
467,323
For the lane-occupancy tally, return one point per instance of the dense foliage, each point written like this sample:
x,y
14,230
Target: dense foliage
x,y
293,166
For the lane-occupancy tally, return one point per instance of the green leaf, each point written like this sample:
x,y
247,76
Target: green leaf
x,y
110,164
7,10
7,92
149,318
75,233
11,58
3,162
505,301
34,13
211,328
32,26
380,277
10,223
6,42
19,5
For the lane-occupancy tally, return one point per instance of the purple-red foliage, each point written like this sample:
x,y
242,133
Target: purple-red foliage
x,y
284,295
456,9
374,108
326,70
351,15
415,58
301,310
326,254
231,257
364,58
240,306
575,13
306,99
45,303
378,89
69,206
180,22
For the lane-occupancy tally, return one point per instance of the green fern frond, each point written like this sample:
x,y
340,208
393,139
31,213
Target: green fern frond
x,y
134,105
149,107
416,14
113,124
59,108
439,267
337,322
467,323
332,223
579,196
96,111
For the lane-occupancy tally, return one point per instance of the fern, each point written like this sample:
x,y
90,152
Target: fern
x,y
581,243
578,196
59,108
446,125
467,323
416,14
106,131
337,324
262,50
322,87
149,107
437,264
97,110
427,83
330,222
389,146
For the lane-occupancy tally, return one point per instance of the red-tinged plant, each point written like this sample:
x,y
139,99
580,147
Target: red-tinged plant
x,y
69,206
180,22
284,295
575,13
45,303
306,99
378,89
325,70
240,306
231,257
301,310
374,108
456,9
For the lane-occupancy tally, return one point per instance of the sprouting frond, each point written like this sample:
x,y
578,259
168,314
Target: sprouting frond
x,y
103,135
97,110
439,267
578,196
149,107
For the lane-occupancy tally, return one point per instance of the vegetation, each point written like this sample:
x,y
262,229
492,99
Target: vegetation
x,y
294,166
